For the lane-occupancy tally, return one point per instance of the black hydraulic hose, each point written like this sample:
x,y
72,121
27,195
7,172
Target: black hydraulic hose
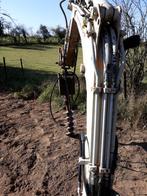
x,y
72,135
67,96
50,103
66,22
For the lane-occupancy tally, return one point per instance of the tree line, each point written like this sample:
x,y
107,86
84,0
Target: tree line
x,y
18,34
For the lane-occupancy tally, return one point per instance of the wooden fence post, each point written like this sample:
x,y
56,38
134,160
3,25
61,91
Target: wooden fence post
x,y
5,68
21,64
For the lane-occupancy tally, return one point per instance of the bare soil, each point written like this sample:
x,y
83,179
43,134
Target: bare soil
x,y
37,158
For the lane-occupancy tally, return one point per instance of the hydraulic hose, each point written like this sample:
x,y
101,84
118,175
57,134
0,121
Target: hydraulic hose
x,y
66,21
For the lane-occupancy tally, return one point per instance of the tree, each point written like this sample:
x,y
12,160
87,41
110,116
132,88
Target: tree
x,y
1,27
1,23
59,32
7,27
18,32
134,21
24,33
43,30
15,33
4,24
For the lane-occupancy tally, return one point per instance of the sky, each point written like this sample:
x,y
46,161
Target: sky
x,y
32,13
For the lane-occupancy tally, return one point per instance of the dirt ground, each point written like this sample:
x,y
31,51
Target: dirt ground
x,y
37,158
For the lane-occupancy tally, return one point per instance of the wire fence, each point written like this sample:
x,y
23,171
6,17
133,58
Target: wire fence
x,y
4,69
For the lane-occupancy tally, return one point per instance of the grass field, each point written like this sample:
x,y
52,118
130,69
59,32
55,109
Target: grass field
x,y
35,57
40,68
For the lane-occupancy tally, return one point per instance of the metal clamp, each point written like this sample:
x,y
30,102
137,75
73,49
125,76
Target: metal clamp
x,y
99,90
110,90
104,171
83,161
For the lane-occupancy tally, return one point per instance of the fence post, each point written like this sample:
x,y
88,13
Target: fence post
x,y
5,68
21,64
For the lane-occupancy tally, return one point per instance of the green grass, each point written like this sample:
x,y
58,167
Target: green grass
x,y
38,57
40,68
35,57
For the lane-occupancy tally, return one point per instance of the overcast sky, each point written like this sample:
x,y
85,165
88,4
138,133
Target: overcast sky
x,y
32,13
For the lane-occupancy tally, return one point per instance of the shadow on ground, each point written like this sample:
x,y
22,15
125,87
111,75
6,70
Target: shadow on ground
x,y
15,79
42,47
140,144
